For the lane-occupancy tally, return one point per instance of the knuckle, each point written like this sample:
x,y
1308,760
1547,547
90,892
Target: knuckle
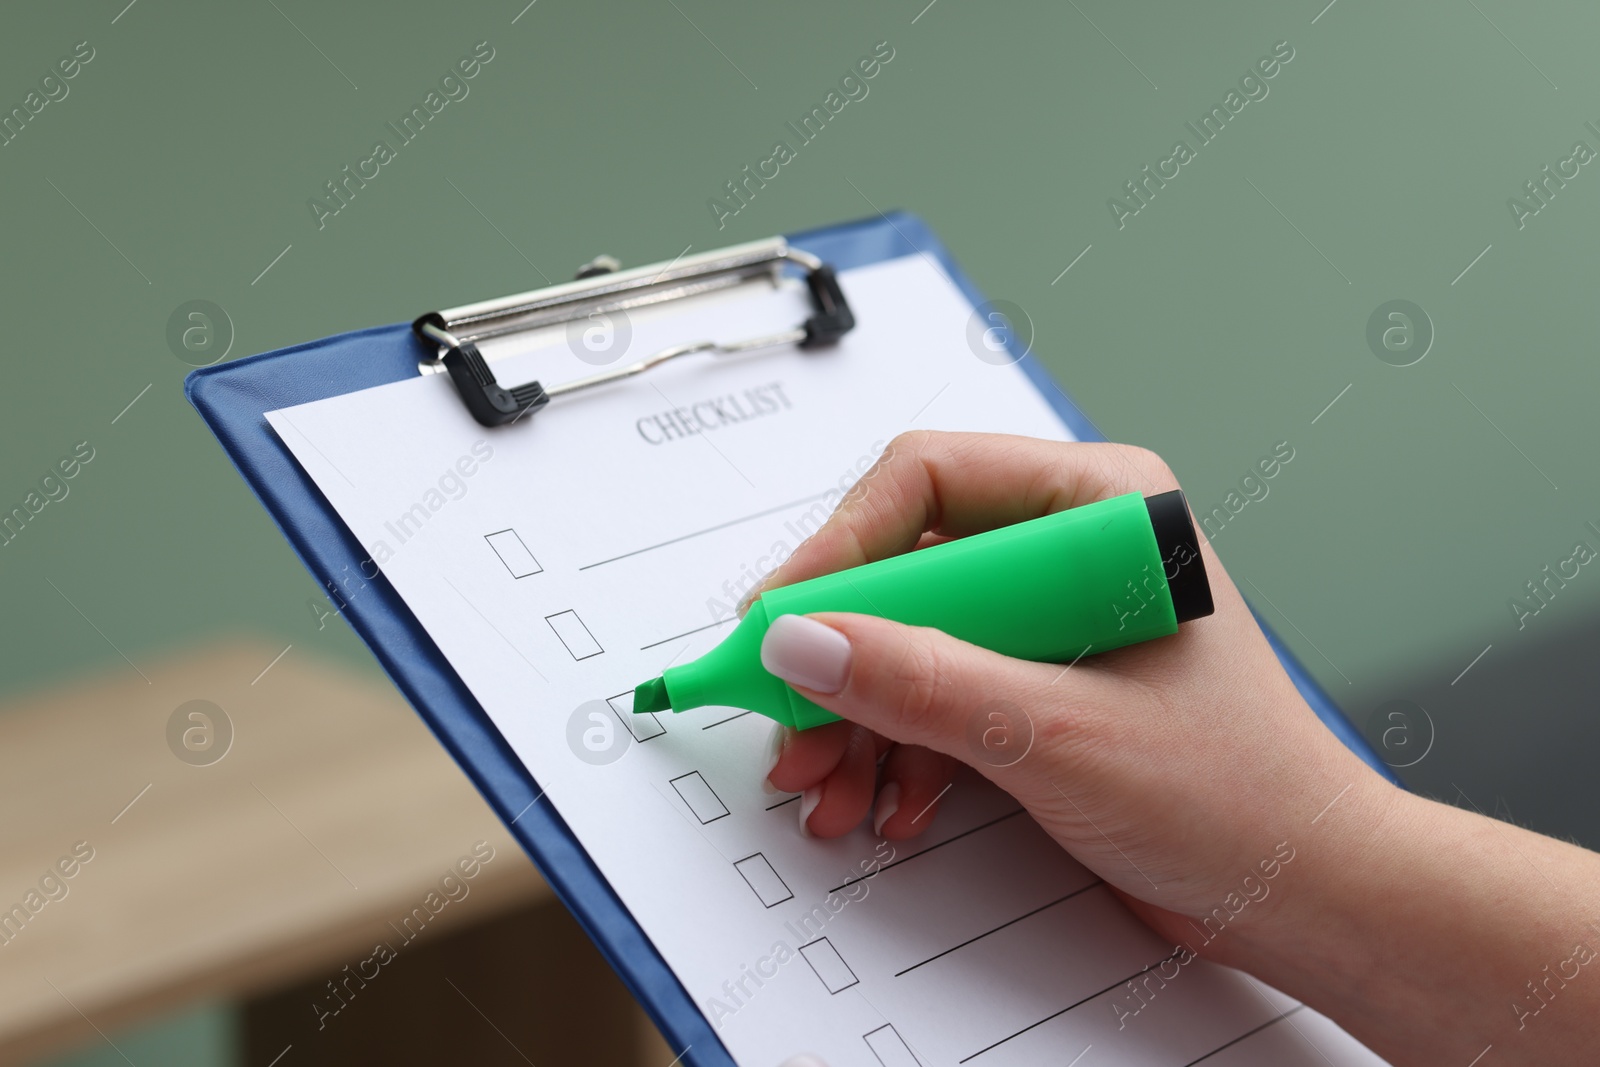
x,y
1059,725
1074,732
1146,458
914,683
1150,464
888,461
907,441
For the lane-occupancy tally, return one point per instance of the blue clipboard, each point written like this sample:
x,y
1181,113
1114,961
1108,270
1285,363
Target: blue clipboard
x,y
233,398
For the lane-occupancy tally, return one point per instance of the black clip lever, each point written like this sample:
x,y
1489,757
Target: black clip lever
x,y
493,404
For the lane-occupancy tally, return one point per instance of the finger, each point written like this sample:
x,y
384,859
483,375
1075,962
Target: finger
x,y
837,804
919,686
914,781
802,758
956,484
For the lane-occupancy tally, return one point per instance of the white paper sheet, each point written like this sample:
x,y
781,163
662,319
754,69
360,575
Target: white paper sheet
x,y
560,561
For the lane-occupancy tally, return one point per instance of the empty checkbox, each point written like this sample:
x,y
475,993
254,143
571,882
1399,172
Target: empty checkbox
x,y
829,966
760,876
513,553
700,797
890,1048
574,634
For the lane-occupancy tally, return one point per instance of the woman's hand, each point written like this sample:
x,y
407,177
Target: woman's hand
x,y
1173,769
1190,775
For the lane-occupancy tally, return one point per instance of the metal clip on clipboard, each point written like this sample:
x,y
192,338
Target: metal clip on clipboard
x,y
600,289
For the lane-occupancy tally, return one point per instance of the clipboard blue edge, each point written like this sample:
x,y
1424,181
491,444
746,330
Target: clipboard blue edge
x,y
232,398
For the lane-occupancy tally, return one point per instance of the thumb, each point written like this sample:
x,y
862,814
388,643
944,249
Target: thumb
x,y
914,685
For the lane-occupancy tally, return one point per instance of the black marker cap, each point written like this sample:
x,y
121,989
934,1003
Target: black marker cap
x,y
1180,555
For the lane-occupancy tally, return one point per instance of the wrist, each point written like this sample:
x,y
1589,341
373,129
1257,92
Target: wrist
x,y
1416,926
1345,903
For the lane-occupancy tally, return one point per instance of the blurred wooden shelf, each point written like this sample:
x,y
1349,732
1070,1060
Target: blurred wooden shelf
x,y
332,815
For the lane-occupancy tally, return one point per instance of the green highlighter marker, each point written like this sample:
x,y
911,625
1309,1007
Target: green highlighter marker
x,y
1051,589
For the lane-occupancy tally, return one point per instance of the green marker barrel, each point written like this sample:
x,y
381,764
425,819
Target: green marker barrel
x,y
1051,589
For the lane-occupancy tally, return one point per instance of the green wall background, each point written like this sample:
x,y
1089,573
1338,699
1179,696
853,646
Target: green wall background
x,y
1220,320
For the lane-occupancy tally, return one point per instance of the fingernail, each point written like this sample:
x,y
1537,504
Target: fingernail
x,y
808,804
806,653
775,744
749,598
888,804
